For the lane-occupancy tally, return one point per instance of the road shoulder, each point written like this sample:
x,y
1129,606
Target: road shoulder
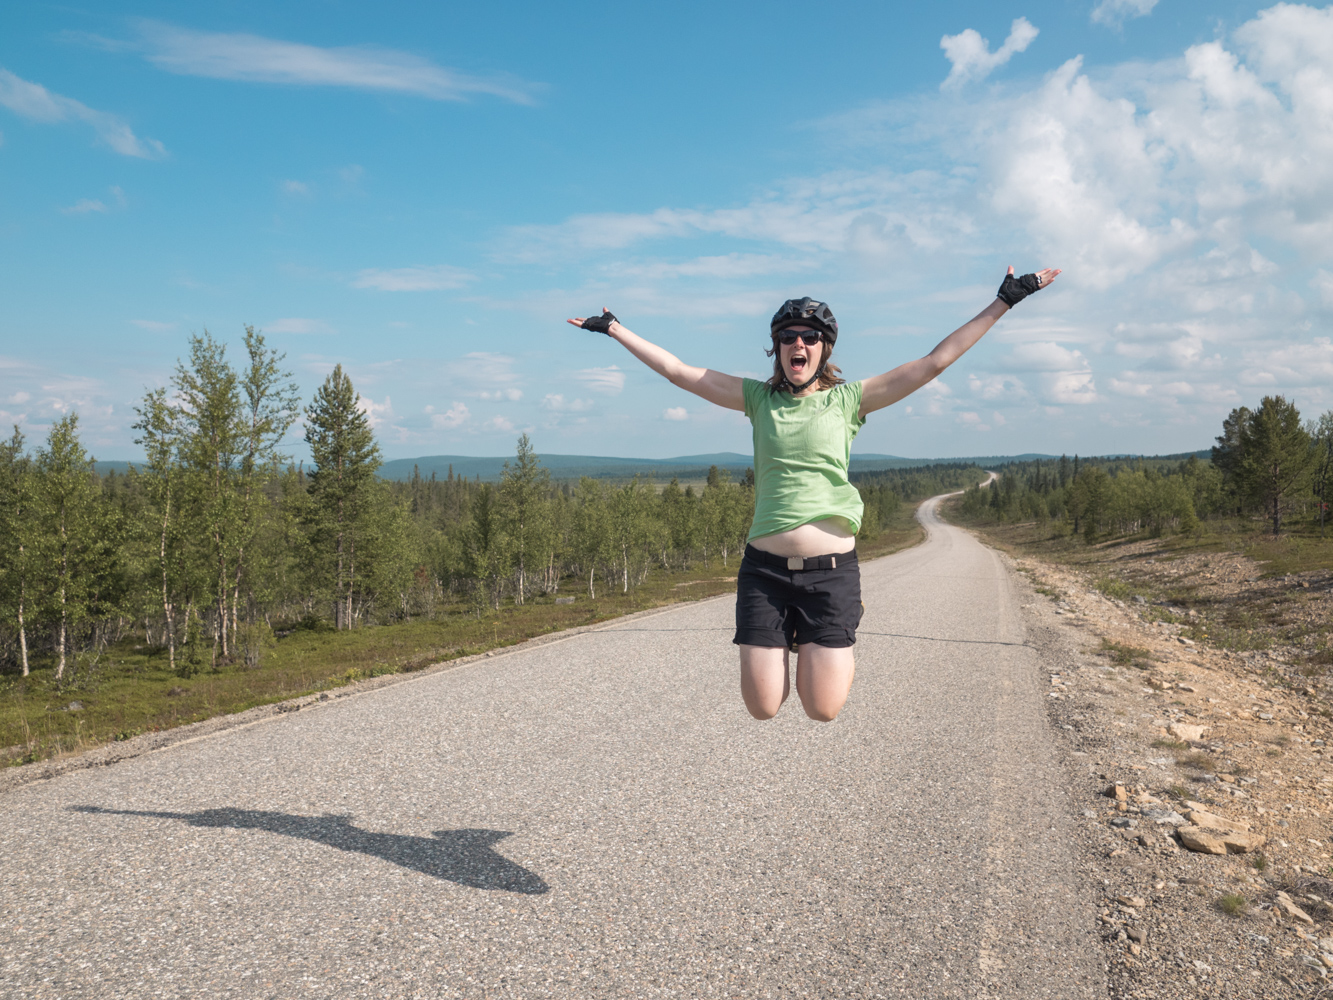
x,y
1163,741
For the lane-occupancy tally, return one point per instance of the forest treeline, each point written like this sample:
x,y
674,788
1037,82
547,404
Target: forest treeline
x,y
1267,465
217,541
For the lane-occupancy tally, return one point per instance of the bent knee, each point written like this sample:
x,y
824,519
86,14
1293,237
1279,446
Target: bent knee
x,y
761,712
821,714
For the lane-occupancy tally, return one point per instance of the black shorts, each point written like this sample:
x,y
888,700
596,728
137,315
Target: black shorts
x,y
776,605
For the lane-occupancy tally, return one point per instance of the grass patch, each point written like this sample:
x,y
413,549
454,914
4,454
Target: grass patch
x,y
1165,744
1112,587
1233,904
1178,792
1197,762
1259,862
1124,655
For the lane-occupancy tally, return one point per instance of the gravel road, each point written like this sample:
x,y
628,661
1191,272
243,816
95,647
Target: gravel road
x,y
596,817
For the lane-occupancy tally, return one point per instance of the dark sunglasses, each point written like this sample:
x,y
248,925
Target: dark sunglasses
x,y
809,339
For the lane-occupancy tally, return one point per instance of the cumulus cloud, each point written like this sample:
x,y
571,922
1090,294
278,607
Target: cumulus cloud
x,y
255,59
455,416
971,57
1116,12
498,425
675,413
556,403
36,103
413,279
609,380
377,413
511,394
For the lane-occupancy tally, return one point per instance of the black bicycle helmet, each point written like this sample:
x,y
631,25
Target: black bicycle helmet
x,y
806,312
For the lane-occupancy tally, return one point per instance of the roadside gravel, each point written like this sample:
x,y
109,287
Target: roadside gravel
x,y
1188,731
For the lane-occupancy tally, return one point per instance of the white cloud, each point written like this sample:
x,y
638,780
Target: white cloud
x,y
297,324
488,368
376,413
556,403
19,398
1046,357
1128,387
295,188
1295,364
36,103
498,424
455,416
609,380
675,413
972,420
1115,12
991,388
413,279
84,206
972,58
511,394
255,59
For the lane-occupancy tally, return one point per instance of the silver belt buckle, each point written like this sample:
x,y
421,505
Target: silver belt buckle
x,y
795,562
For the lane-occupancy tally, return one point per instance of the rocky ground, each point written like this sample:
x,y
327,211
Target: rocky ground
x,y
1202,775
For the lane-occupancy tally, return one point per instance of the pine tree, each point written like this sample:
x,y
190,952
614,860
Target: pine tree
x,y
346,456
525,509
1275,457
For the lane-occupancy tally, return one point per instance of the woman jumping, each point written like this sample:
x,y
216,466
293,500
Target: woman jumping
x,y
799,583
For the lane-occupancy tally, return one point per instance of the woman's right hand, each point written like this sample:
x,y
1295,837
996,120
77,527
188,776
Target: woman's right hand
x,y
598,324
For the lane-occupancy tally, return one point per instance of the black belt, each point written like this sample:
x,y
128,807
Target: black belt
x,y
797,563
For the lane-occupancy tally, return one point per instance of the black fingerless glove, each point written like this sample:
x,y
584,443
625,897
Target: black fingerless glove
x,y
600,324
1015,290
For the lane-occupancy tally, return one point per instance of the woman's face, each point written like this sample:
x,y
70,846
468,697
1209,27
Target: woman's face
x,y
800,362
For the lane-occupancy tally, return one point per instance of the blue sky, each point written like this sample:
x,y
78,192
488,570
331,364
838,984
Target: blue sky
x,y
424,192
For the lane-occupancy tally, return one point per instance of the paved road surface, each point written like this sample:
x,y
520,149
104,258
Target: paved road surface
x,y
593,818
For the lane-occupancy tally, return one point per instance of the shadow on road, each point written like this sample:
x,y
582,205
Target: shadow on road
x,y
462,856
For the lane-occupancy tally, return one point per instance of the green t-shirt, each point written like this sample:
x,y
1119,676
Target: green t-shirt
x,y
801,450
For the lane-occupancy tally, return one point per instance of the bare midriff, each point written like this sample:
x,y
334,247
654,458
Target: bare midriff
x,y
818,538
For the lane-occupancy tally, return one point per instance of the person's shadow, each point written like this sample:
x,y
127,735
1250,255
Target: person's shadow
x,y
462,856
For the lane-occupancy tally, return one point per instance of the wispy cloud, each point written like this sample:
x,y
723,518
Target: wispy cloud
x,y
675,413
1116,12
971,57
413,279
84,206
153,326
609,380
255,59
36,103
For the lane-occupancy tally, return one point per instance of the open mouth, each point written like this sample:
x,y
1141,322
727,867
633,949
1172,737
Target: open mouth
x,y
798,362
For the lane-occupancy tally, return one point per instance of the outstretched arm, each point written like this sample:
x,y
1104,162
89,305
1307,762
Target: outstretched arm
x,y
716,387
884,390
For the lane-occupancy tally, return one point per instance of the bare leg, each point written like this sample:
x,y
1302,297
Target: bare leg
x,y
765,681
823,679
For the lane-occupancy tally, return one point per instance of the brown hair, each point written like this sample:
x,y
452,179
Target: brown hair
x,y
828,372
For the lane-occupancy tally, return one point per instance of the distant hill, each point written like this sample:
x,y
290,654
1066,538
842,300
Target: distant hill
x,y
684,467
